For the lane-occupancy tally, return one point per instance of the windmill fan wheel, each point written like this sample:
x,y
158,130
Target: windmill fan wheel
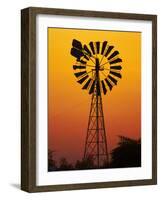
x,y
97,65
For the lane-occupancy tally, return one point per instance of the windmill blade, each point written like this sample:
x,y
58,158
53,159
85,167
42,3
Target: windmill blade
x,y
87,84
98,47
103,87
116,74
82,61
115,53
103,47
83,79
92,87
98,88
116,61
77,44
76,53
86,57
109,84
87,50
92,47
116,67
80,73
109,50
78,67
112,79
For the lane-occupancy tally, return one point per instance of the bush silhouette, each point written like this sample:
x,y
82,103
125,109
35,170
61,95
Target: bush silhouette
x,y
87,163
127,153
64,165
51,162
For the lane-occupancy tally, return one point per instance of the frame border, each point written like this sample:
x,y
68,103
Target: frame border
x,y
28,98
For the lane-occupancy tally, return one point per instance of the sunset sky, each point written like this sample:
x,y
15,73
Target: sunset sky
x,y
68,104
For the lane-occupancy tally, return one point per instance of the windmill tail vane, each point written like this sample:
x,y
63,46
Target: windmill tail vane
x,y
97,69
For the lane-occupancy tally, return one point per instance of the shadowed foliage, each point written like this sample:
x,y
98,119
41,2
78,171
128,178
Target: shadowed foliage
x,y
51,162
127,153
64,165
87,163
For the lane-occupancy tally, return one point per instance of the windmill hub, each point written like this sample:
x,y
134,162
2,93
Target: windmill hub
x,y
98,66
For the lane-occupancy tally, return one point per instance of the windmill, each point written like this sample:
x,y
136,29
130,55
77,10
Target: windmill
x,y
97,69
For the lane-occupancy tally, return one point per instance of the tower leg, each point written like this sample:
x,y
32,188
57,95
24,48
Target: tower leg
x,y
96,142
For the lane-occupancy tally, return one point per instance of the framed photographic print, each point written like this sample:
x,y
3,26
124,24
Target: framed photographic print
x,y
89,99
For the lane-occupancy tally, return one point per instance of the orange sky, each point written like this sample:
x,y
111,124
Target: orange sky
x,y
68,104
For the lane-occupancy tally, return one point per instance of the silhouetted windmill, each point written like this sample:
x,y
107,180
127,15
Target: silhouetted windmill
x,y
97,69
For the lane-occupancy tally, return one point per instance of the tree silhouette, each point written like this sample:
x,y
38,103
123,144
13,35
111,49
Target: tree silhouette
x,y
127,153
51,162
87,163
64,165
